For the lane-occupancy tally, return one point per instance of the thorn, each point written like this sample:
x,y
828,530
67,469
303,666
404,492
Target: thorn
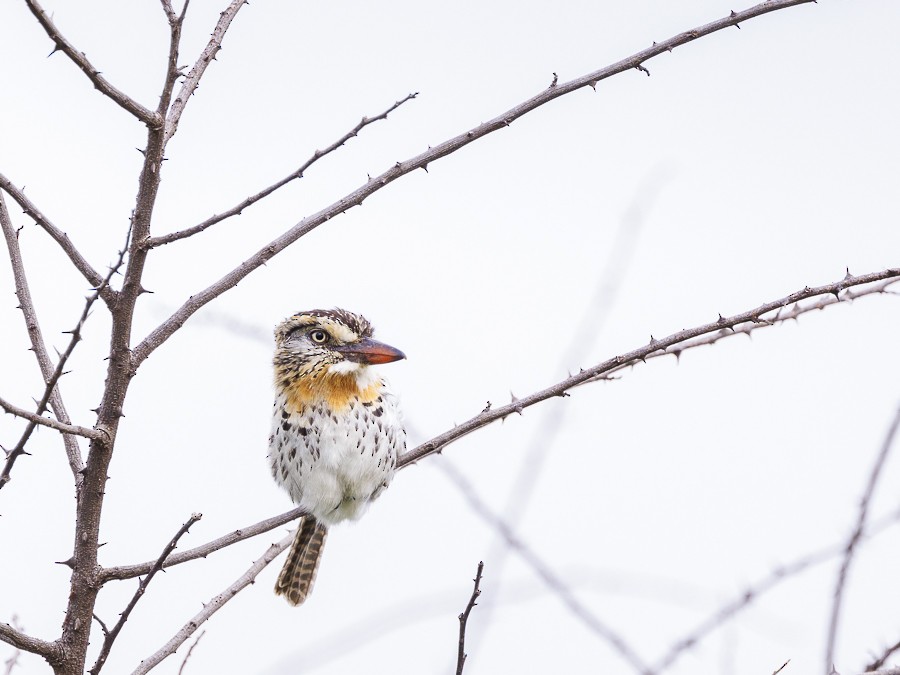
x,y
593,84
425,167
721,319
68,563
848,275
555,80
513,398
642,69
486,408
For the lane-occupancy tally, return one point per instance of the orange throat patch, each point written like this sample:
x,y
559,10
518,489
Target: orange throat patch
x,y
337,391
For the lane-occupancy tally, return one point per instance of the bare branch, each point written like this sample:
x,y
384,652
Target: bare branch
x,y
464,618
87,271
164,331
73,452
189,652
52,381
752,593
316,156
546,574
213,606
753,316
886,671
131,571
855,538
192,80
873,668
146,116
19,640
113,633
48,422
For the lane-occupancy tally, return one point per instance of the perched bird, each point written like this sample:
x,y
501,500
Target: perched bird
x,y
336,430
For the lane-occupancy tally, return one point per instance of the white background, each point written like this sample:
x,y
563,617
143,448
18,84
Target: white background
x,y
750,164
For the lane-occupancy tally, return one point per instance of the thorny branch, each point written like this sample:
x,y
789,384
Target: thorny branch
x,y
146,116
239,208
213,606
677,340
47,422
200,298
87,271
50,388
111,635
464,618
855,538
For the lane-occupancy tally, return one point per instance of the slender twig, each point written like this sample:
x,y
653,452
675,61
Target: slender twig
x,y
200,298
189,652
131,571
855,537
881,660
146,116
207,56
239,208
113,632
213,606
87,271
754,316
781,667
753,592
547,575
50,386
464,618
48,422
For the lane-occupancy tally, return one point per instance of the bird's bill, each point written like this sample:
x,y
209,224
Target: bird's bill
x,y
370,352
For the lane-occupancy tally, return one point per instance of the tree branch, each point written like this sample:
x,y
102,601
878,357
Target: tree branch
x,y
464,618
111,635
47,422
213,606
73,452
561,389
192,80
146,116
855,538
19,640
87,271
249,201
131,571
165,330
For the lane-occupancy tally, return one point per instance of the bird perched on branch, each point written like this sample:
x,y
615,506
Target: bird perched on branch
x,y
336,430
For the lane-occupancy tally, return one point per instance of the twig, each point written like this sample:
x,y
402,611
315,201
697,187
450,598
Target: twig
x,y
207,56
886,671
464,618
87,271
131,571
189,652
754,592
18,639
881,660
213,606
113,633
146,116
48,422
51,382
33,327
239,208
781,667
560,389
546,574
854,539
200,298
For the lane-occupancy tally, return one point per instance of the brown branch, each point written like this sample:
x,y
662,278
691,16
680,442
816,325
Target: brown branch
x,y
50,385
464,618
33,328
87,271
855,538
547,575
878,663
145,115
18,639
131,571
165,330
111,635
561,389
752,593
239,208
213,606
207,56
47,422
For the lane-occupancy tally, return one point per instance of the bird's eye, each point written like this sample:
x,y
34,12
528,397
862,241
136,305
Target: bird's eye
x,y
318,336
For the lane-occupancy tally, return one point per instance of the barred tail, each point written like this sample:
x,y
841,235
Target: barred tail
x,y
296,579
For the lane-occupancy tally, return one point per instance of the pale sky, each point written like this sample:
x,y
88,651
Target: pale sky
x,y
748,165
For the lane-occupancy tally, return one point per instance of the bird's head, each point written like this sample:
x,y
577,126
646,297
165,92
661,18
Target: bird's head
x,y
326,354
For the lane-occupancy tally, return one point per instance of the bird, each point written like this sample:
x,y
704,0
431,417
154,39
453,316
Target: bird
x,y
337,430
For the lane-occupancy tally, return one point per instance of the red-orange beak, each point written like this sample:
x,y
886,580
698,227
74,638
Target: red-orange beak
x,y
369,351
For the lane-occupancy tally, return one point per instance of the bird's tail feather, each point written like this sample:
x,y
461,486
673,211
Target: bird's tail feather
x,y
296,579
